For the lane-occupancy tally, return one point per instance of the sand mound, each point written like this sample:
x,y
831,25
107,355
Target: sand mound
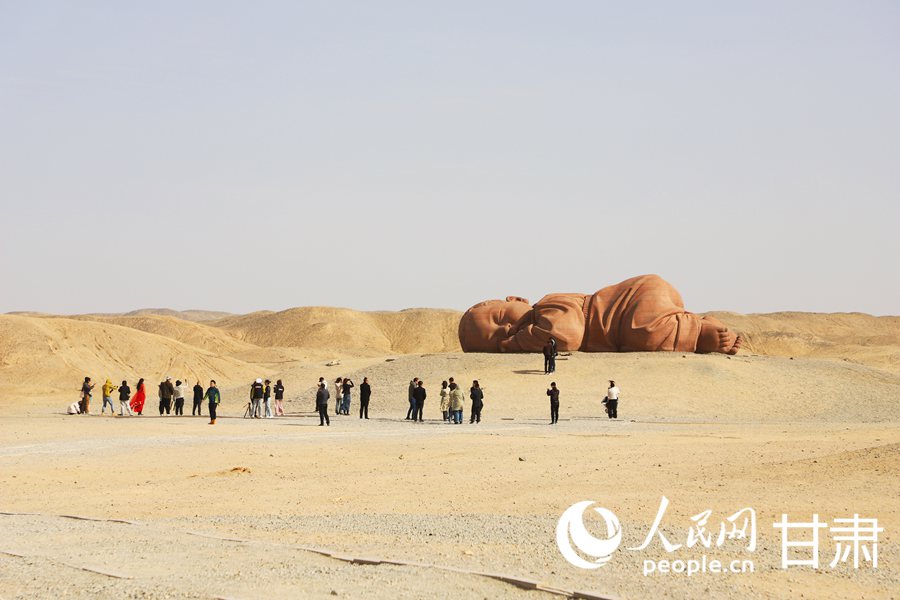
x,y
853,336
348,332
187,315
39,355
187,332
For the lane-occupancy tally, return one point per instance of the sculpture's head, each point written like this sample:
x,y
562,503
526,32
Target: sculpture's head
x,y
483,326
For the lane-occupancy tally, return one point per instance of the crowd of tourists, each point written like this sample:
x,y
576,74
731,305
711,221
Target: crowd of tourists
x,y
267,400
171,398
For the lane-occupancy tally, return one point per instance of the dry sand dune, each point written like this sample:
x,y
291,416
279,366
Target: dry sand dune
x,y
854,336
187,332
350,332
188,315
39,356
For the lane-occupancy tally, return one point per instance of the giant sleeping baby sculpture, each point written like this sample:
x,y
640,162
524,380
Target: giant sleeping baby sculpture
x,y
641,314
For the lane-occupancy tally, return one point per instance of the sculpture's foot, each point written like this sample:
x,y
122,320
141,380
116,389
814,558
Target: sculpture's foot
x,y
715,337
736,346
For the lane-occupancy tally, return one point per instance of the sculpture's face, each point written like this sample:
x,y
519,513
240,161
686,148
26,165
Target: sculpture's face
x,y
484,325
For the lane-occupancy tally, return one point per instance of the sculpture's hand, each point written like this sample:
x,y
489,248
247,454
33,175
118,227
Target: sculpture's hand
x,y
529,338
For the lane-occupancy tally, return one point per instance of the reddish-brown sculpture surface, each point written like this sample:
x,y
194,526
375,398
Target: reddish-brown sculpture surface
x,y
641,314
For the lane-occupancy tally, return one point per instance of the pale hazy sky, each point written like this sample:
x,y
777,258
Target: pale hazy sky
x,y
381,155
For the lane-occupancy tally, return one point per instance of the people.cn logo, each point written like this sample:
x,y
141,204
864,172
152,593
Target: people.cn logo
x,y
571,531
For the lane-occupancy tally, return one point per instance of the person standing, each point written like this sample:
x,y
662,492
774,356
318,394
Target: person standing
x,y
214,398
179,398
169,394
338,394
86,389
198,400
477,396
365,393
612,400
279,399
257,391
457,401
140,396
345,389
267,396
166,391
445,401
419,394
124,397
548,357
553,392
412,399
321,382
108,389
553,354
322,404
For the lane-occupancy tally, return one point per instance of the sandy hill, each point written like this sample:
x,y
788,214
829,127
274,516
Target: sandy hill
x,y
199,316
188,332
188,315
41,355
344,331
853,336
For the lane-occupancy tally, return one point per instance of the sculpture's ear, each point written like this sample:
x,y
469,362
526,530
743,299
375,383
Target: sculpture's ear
x,y
517,299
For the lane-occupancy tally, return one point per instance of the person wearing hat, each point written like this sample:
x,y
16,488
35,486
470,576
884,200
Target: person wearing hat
x,y
257,392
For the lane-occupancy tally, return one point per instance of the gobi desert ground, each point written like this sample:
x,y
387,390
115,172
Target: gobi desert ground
x,y
804,420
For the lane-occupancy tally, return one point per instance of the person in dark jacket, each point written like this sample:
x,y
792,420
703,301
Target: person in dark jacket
x,y
85,403
124,399
257,391
419,394
477,396
267,395
548,357
166,393
345,393
322,404
198,400
321,381
215,398
365,392
279,399
553,392
412,399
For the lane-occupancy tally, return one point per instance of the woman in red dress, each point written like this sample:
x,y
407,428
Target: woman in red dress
x,y
137,403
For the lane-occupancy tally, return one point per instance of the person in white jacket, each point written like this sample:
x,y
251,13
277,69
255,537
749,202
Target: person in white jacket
x,y
612,400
